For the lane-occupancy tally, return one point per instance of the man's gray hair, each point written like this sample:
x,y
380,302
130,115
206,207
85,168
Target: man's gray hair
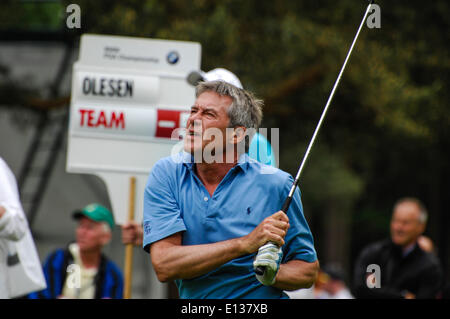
x,y
423,217
245,110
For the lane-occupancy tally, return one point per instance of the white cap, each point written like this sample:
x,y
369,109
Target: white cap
x,y
218,74
222,75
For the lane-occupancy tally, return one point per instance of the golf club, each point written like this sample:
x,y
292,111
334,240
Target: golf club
x,y
260,270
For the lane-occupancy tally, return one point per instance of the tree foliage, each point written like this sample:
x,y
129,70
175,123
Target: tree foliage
x,y
386,134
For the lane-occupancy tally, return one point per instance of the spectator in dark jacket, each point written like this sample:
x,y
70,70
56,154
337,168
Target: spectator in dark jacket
x,y
398,267
81,271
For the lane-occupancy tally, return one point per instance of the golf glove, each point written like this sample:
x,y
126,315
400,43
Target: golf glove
x,y
269,256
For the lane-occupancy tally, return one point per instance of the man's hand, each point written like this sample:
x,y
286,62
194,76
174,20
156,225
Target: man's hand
x,y
269,256
132,234
266,238
272,229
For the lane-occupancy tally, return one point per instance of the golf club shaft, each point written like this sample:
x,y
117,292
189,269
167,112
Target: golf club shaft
x,y
287,202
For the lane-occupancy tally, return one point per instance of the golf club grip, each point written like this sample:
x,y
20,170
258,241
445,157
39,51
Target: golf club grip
x,y
286,204
260,270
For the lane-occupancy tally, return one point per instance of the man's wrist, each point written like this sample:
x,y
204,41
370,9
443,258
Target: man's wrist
x,y
241,245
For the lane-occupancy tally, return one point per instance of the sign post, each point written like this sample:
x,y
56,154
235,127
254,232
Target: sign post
x,y
129,247
129,97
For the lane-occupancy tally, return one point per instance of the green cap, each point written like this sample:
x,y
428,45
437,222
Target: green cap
x,y
97,213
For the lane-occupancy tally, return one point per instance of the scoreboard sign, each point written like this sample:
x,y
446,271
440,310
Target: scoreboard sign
x,y
129,97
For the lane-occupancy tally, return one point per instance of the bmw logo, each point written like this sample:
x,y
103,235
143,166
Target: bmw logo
x,y
173,57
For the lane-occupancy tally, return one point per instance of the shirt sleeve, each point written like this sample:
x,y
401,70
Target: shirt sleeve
x,y
299,242
162,216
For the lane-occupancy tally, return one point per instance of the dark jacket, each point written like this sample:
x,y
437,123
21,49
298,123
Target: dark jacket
x,y
418,272
108,281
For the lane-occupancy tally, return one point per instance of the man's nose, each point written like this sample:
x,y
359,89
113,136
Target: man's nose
x,y
81,229
190,120
195,122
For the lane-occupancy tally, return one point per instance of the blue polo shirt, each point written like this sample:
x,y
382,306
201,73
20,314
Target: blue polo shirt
x,y
175,200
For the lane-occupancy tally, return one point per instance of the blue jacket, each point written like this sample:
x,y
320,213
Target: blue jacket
x,y
108,281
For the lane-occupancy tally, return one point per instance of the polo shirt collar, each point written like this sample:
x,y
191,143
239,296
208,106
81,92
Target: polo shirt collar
x,y
244,161
187,160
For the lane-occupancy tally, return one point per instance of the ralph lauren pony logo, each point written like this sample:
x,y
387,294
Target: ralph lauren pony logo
x,y
147,227
249,210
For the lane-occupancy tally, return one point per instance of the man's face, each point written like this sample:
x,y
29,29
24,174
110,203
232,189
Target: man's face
x,y
405,224
209,112
91,235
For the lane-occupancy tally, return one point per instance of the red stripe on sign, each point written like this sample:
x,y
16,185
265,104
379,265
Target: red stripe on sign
x,y
166,122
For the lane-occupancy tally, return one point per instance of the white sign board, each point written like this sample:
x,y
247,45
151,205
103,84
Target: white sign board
x,y
128,96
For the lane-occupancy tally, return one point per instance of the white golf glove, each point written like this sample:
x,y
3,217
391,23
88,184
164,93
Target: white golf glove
x,y
269,256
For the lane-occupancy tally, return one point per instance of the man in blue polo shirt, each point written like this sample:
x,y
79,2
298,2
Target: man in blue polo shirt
x,y
205,220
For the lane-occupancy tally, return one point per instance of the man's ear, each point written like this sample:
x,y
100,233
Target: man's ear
x,y
106,237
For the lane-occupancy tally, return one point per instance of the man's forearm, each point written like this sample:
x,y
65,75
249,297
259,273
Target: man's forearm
x,y
296,274
172,261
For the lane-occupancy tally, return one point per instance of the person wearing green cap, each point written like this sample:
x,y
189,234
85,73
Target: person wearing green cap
x,y
82,271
